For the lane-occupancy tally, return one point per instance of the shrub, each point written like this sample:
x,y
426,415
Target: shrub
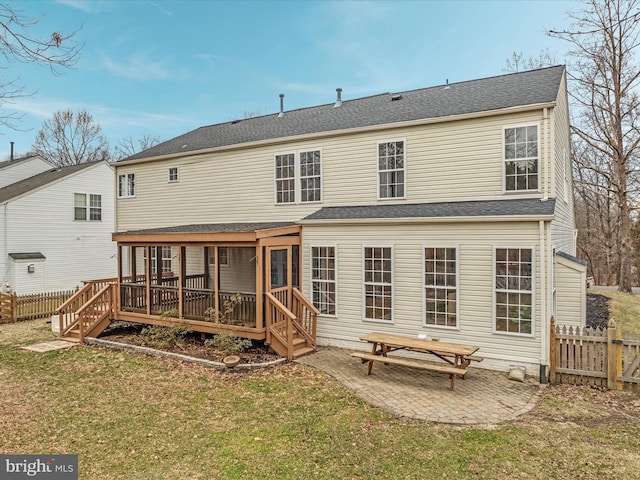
x,y
228,344
157,336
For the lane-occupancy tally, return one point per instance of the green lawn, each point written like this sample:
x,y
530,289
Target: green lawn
x,y
135,417
625,310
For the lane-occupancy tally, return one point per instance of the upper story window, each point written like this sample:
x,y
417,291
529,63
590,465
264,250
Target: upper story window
x,y
87,207
285,178
391,169
310,176
521,158
173,175
127,185
298,181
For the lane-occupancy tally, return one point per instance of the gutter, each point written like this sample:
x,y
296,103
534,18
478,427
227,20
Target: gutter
x,y
420,220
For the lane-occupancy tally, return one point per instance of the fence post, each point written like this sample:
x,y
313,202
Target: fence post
x,y
14,307
552,354
612,362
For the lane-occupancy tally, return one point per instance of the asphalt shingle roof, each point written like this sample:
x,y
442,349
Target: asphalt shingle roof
x,y
37,181
482,208
216,228
487,94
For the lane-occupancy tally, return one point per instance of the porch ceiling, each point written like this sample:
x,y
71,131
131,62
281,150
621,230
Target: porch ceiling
x,y
207,233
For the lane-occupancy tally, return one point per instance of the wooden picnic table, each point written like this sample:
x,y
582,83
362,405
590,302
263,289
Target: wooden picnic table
x,y
456,357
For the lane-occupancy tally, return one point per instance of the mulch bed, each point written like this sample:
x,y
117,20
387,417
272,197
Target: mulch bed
x,y
597,310
193,345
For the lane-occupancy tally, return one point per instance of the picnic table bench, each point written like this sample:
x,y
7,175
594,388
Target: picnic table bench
x,y
456,357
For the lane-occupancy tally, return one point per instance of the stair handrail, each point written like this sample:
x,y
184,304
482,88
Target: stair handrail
x,y
66,312
312,315
87,305
289,319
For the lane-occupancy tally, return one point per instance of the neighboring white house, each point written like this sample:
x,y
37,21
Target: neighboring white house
x,y
55,228
444,211
18,169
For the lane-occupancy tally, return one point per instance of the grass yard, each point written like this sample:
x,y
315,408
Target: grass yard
x,y
625,310
135,417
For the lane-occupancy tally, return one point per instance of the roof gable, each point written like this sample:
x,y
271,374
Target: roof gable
x,y
483,95
37,181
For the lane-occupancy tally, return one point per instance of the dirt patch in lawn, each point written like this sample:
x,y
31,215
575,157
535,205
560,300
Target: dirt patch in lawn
x,y
192,344
597,310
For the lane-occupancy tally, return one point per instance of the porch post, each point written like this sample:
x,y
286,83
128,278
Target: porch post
x,y
206,268
119,281
259,288
182,268
148,279
216,272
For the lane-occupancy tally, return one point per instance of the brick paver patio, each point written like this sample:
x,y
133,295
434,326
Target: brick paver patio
x,y
484,397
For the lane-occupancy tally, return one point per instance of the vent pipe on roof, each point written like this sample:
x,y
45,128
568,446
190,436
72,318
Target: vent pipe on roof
x,y
281,114
446,87
11,150
338,98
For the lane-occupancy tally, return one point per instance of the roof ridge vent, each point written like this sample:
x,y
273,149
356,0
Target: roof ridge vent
x,y
338,98
281,114
396,97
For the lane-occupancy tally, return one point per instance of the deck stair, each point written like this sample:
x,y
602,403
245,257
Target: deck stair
x,y
88,312
291,332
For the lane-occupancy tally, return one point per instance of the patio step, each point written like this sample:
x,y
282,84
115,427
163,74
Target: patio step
x,y
303,351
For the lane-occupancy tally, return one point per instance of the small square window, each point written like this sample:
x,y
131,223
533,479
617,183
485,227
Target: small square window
x,y
173,174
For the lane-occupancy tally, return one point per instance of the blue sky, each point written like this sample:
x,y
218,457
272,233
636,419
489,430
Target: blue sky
x,y
162,68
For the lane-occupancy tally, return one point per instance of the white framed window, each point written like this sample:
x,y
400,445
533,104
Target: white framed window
x,y
87,207
223,256
391,169
521,159
378,283
323,279
126,185
173,175
298,181
165,259
514,292
310,176
285,178
441,287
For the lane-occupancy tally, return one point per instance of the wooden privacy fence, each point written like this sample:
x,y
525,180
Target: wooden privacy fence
x,y
598,357
14,308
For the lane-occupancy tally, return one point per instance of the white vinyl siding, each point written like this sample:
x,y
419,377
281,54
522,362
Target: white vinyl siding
x,y
459,160
127,185
391,169
378,283
323,279
441,286
521,158
514,281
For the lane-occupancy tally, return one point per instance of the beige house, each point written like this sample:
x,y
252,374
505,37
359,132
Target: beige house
x,y
445,211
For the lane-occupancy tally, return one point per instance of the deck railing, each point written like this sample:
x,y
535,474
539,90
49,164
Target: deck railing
x,y
306,315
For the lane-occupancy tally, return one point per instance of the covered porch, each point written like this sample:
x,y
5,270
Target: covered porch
x,y
217,278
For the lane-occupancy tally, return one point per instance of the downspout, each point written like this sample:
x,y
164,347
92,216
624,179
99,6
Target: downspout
x,y
6,246
545,164
543,305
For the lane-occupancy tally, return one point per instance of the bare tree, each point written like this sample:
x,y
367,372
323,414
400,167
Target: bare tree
x,y
605,77
127,146
69,139
58,51
518,62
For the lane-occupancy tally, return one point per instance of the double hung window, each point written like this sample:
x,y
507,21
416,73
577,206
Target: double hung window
x,y
514,279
